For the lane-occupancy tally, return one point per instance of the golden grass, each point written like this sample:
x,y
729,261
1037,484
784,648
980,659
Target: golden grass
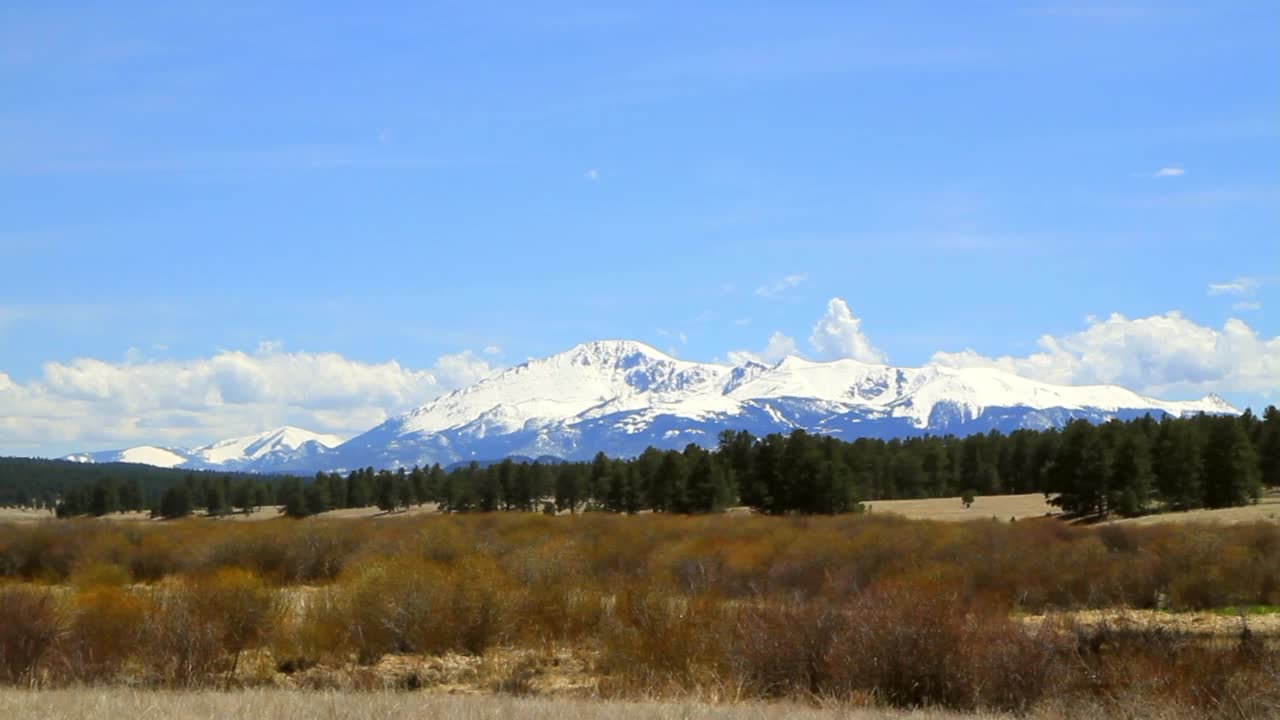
x,y
985,507
1267,510
1033,505
21,515
269,704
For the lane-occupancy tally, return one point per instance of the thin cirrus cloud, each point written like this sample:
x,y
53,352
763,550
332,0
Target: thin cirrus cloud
x,y
782,285
1239,286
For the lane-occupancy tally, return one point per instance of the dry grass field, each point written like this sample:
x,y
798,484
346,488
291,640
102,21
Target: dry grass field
x,y
1005,507
985,507
1268,509
18,515
271,704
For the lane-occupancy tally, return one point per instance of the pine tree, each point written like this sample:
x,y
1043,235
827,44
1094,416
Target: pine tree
x,y
1269,447
1179,464
1131,474
103,498
384,491
1231,465
176,502
215,501
292,499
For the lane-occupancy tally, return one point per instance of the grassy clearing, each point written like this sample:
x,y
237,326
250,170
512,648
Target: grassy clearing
x,y
273,704
985,507
1266,510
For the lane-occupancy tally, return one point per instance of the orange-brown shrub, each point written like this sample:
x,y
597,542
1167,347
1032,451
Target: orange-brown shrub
x,y
907,645
237,606
1239,679
660,642
1036,565
412,605
31,626
782,650
176,648
920,645
106,629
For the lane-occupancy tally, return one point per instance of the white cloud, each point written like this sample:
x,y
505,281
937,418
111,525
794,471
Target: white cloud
x,y
492,350
93,404
782,285
839,335
592,174
1239,286
1164,355
778,347
1169,172
1247,306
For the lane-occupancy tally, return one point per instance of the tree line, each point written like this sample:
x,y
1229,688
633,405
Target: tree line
x,y
1116,468
1126,468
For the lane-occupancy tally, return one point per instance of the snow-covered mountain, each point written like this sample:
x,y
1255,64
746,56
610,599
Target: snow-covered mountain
x,y
620,396
284,447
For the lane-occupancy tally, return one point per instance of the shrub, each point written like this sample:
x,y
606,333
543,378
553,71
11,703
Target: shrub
x,y
32,626
237,607
107,626
656,642
176,648
915,646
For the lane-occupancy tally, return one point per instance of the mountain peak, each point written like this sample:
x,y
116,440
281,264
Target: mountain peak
x,y
610,352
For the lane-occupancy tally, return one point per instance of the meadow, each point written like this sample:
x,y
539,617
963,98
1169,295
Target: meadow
x,y
863,611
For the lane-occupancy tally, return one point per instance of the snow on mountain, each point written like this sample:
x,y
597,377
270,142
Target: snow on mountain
x,y
270,450
281,441
621,396
143,455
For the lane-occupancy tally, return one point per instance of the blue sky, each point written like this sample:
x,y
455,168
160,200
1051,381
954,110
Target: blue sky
x,y
1087,191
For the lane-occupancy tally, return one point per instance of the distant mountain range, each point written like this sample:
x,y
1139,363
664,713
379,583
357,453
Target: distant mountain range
x,y
620,397
265,452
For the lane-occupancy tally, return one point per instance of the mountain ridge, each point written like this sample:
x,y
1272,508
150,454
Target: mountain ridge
x,y
621,396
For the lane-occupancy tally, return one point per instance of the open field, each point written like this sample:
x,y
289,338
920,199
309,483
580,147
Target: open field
x,y
1268,510
18,515
985,507
1033,505
270,704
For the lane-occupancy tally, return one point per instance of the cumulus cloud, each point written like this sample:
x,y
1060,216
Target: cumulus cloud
x,y
778,347
1165,355
96,404
839,335
781,285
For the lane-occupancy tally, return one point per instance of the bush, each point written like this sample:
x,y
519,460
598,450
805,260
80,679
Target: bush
x,y
107,627
177,649
32,626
